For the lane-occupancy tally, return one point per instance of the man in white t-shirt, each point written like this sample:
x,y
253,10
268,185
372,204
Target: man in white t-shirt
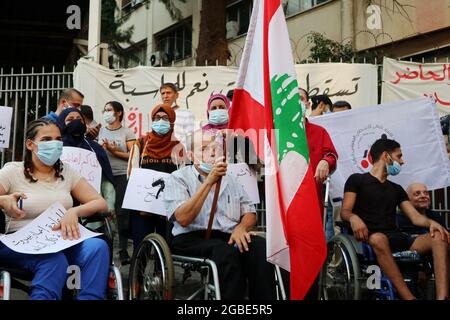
x,y
185,119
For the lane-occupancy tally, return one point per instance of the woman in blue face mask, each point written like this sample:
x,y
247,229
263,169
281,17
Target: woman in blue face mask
x,y
218,112
73,130
118,140
159,150
42,180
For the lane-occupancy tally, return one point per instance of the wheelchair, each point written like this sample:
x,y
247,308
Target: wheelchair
x,y
152,275
350,271
16,278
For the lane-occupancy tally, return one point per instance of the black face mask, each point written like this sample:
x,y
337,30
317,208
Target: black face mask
x,y
76,128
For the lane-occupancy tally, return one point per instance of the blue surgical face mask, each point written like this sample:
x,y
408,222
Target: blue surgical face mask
x,y
303,108
205,167
218,116
109,117
161,127
394,168
49,151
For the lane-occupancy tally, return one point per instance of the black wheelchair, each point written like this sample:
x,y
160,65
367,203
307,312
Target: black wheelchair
x,y
15,278
152,273
351,271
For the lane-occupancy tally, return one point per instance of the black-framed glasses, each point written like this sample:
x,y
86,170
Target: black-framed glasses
x,y
157,118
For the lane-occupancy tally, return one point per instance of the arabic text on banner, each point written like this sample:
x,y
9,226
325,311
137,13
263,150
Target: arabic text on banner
x,y
37,237
138,88
404,80
414,124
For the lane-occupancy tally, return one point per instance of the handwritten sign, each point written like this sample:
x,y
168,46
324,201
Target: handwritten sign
x,y
145,191
37,237
5,126
247,178
404,80
84,162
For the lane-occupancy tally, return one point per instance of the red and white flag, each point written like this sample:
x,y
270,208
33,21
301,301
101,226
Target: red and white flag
x,y
267,100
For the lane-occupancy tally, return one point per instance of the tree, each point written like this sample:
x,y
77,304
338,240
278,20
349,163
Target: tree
x,y
111,32
325,50
212,43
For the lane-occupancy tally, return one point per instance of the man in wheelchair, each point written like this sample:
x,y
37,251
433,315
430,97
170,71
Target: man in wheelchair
x,y
239,254
370,202
420,198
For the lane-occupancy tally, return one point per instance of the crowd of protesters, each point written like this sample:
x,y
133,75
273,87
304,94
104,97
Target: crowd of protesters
x,y
196,161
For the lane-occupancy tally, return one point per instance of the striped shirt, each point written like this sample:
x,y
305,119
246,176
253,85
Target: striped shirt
x,y
232,204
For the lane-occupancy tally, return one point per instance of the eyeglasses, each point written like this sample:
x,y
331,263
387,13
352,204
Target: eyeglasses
x,y
418,193
157,118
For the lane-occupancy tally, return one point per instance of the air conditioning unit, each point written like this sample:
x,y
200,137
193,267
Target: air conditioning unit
x,y
135,2
156,59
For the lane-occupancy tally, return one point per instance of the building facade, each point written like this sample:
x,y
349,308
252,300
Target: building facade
x,y
408,29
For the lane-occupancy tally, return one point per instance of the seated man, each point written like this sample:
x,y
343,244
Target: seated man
x,y
369,204
238,253
420,199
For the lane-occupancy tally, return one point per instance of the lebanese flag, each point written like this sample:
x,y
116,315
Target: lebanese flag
x,y
267,101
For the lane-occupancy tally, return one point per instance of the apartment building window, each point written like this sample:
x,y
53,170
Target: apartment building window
x,y
130,5
135,55
176,42
292,7
238,17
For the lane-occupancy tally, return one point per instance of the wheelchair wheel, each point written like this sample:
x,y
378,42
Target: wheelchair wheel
x,y
340,273
151,271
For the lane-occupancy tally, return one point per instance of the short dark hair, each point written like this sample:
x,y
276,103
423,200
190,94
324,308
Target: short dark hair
x,y
382,145
341,104
118,107
316,100
306,93
86,111
169,85
230,94
66,94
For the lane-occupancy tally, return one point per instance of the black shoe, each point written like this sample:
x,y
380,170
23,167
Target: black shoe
x,y
124,257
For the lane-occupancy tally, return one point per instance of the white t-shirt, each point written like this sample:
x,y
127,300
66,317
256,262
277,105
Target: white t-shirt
x,y
40,194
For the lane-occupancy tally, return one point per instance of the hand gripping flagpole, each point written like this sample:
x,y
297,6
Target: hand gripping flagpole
x,y
220,137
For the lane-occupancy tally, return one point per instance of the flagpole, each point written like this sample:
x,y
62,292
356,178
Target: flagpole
x,y
216,197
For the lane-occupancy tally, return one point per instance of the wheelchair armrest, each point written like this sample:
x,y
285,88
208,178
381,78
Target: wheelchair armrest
x,y
344,225
98,217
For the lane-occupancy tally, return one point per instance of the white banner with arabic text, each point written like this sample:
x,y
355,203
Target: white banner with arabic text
x,y
414,124
404,80
138,88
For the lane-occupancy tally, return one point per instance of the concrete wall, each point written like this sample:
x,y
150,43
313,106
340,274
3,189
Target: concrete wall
x,y
415,18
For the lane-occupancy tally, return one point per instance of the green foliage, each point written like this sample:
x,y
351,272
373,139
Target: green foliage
x,y
325,50
111,32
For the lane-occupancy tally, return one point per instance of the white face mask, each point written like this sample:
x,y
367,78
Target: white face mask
x,y
109,117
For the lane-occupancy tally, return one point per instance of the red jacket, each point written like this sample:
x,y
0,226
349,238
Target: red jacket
x,y
320,147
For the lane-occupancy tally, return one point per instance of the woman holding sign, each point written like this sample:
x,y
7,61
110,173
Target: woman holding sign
x,y
159,150
118,140
41,180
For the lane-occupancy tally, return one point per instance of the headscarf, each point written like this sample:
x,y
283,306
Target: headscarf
x,y
156,146
222,97
84,143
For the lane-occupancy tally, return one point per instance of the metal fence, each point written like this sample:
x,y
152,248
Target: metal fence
x,y
31,94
